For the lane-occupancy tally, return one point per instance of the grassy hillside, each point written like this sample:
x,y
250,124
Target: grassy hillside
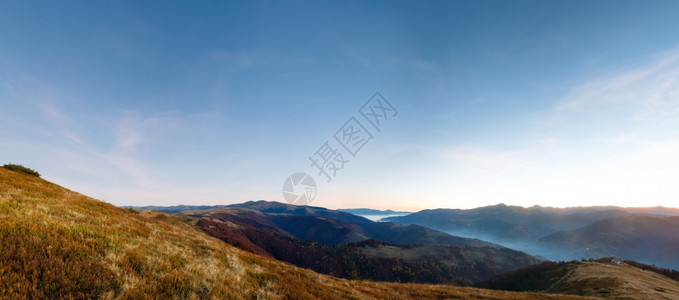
x,y
589,278
55,243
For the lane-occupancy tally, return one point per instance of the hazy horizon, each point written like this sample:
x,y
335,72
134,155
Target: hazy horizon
x,y
551,103
417,210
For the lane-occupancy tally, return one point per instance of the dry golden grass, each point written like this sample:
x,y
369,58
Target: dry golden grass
x,y
617,282
55,243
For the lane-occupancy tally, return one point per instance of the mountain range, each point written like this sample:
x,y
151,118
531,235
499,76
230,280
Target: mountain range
x,y
374,212
312,223
345,245
648,235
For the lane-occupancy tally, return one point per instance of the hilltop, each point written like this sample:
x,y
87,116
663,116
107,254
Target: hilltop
x,y
56,243
607,278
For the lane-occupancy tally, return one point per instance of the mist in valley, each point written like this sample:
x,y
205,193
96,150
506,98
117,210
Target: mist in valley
x,y
543,250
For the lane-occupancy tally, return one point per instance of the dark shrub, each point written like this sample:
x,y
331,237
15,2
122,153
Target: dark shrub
x,y
21,169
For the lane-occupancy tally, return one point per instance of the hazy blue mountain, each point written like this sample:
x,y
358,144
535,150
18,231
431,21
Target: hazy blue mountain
x,y
369,211
643,238
514,223
505,223
563,233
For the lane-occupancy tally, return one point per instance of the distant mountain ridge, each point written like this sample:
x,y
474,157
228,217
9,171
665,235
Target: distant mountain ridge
x,y
506,223
643,238
329,226
175,208
284,208
529,229
370,211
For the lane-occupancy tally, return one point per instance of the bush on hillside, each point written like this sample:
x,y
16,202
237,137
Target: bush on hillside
x,y
131,209
21,169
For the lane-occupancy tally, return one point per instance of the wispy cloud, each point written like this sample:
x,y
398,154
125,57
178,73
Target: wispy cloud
x,y
131,129
76,140
648,92
89,148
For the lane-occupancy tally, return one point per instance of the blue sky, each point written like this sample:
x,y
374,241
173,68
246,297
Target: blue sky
x,y
559,103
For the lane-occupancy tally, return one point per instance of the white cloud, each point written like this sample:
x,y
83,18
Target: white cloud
x,y
66,139
132,129
648,92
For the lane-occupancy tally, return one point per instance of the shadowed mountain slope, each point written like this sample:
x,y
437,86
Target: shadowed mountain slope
x,y
588,278
329,226
283,208
371,259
